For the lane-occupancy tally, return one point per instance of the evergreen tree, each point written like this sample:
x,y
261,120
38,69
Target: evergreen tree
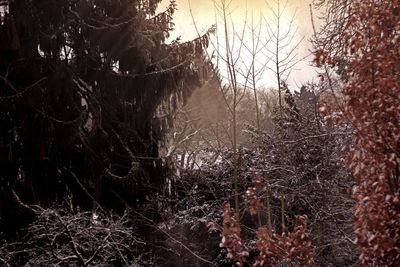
x,y
86,91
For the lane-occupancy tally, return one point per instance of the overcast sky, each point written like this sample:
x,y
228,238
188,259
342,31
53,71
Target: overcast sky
x,y
204,15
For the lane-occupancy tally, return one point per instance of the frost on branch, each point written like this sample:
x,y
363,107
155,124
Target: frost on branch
x,y
59,237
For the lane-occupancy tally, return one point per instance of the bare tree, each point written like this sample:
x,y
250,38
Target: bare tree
x,y
282,34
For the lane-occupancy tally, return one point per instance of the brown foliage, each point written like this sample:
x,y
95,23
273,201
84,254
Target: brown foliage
x,y
372,104
252,200
295,246
231,240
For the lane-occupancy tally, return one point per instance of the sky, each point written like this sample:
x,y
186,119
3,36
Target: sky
x,y
205,15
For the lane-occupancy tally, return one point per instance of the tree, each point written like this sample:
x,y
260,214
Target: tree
x,y
370,42
284,51
86,90
231,85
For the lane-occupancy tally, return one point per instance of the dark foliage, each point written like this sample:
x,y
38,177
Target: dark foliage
x,y
87,89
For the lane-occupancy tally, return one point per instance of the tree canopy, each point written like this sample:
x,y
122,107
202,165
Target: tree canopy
x,y
87,89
